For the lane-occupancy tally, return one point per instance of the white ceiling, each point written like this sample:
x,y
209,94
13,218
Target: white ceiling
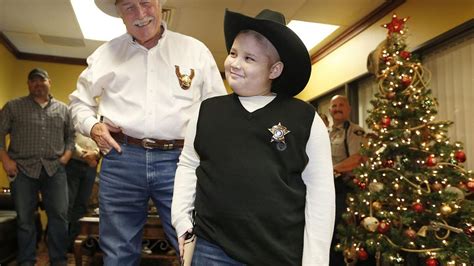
x,y
50,28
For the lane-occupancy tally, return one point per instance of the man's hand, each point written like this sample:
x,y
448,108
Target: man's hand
x,y
181,240
100,133
91,158
64,159
10,167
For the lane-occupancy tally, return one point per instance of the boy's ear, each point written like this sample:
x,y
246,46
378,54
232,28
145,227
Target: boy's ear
x,y
276,69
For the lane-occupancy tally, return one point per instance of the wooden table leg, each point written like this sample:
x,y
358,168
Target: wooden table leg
x,y
78,249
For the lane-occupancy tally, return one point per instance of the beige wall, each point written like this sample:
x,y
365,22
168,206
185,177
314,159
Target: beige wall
x,y
13,75
6,62
428,19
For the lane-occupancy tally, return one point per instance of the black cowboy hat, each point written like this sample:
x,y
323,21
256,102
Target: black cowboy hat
x,y
292,51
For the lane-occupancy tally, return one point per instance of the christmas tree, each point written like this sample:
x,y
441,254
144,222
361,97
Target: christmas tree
x,y
412,201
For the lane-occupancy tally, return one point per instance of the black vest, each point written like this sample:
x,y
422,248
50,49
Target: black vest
x,y
250,198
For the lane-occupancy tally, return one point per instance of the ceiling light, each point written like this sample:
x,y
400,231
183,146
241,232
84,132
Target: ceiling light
x,y
311,33
96,25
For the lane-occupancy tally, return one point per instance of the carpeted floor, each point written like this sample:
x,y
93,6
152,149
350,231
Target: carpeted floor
x,y
43,259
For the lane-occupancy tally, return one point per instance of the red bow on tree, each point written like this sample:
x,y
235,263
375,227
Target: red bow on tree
x,y
396,25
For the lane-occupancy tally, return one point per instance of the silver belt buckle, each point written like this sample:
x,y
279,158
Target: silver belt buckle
x,y
146,143
168,146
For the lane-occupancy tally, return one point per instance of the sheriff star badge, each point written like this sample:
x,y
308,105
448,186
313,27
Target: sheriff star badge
x,y
278,136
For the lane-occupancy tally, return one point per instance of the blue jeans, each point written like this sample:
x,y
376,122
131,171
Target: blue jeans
x,y
80,180
208,254
25,195
127,182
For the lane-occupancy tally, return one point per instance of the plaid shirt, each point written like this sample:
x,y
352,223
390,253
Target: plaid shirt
x,y
38,136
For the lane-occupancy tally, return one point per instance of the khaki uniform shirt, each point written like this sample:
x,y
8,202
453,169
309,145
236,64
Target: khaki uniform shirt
x,y
355,138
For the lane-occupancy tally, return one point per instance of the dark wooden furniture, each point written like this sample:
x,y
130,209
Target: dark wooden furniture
x,y
8,241
152,231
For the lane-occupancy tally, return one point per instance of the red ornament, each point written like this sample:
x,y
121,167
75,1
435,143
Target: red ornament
x,y
431,160
470,186
418,207
469,230
387,58
388,163
362,185
383,227
432,262
410,233
396,25
406,80
356,181
460,156
385,121
362,254
405,54
390,95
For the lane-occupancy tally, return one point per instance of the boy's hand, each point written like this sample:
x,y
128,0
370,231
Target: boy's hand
x,y
181,241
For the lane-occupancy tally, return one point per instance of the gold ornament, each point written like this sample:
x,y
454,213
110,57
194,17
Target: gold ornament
x,y
370,224
350,254
446,210
396,186
437,186
422,231
454,190
377,205
376,187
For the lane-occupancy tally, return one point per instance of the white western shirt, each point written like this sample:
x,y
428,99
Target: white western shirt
x,y
138,90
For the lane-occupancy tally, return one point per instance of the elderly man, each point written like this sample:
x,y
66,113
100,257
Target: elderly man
x,y
41,144
149,81
346,139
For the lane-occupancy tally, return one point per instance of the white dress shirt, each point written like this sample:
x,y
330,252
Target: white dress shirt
x,y
138,90
317,176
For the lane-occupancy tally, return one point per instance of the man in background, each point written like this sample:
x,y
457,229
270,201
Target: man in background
x,y
346,139
149,81
41,144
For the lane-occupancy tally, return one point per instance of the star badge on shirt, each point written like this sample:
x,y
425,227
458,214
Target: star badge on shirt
x,y
278,136
184,79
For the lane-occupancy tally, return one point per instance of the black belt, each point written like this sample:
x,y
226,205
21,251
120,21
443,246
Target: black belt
x,y
148,143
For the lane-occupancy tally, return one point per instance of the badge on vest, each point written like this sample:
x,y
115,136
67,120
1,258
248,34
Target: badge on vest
x,y
359,132
184,79
278,136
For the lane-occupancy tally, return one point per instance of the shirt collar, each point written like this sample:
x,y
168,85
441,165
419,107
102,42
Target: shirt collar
x,y
163,35
50,98
338,127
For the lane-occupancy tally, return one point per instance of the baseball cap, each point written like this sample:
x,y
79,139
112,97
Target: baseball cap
x,y
38,72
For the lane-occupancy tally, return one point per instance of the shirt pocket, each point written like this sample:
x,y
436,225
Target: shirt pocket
x,y
57,122
187,83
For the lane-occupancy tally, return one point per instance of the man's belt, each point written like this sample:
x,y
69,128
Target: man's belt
x,y
148,143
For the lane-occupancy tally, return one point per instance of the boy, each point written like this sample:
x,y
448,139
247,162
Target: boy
x,y
256,165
